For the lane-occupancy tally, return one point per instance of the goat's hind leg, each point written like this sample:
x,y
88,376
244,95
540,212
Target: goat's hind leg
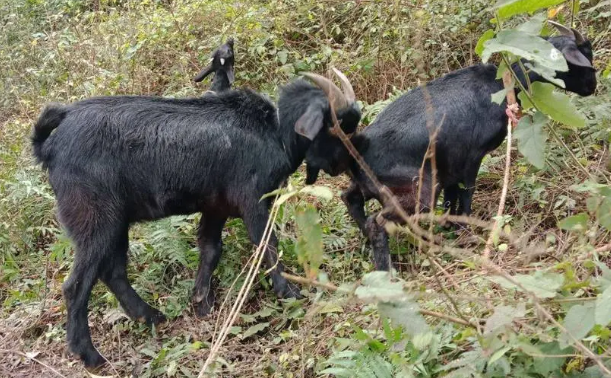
x,y
113,273
210,249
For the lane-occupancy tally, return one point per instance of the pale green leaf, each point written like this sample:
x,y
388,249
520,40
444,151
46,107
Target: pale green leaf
x,y
318,191
282,55
309,246
498,354
508,8
377,286
533,25
479,48
542,285
578,222
556,105
603,213
527,46
330,307
602,313
531,138
254,329
499,97
503,315
578,323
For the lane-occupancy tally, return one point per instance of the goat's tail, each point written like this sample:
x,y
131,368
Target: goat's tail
x,y
49,120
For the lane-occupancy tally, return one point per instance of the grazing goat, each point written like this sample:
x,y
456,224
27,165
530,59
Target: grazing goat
x,y
395,144
114,161
221,65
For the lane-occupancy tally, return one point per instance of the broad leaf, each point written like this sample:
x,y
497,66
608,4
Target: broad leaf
x,y
603,213
542,285
499,97
527,46
503,315
309,247
392,301
578,323
254,329
578,222
602,314
479,48
531,138
318,191
533,25
546,365
556,105
508,8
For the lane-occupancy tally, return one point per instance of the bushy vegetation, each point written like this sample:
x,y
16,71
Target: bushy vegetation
x,y
540,306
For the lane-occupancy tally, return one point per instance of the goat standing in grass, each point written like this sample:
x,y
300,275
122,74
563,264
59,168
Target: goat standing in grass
x,y
395,144
114,161
221,64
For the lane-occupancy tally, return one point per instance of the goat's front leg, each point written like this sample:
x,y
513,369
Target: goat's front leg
x,y
355,203
379,243
255,221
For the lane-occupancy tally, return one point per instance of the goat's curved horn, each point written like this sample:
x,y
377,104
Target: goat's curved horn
x,y
335,95
562,29
579,39
346,86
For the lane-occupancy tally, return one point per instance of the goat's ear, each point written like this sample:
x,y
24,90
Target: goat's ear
x,y
310,123
229,71
203,73
576,57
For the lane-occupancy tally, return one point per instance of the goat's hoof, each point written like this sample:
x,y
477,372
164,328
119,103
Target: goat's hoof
x,y
93,361
153,317
202,308
291,290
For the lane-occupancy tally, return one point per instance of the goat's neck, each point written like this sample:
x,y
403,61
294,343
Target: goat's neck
x,y
220,81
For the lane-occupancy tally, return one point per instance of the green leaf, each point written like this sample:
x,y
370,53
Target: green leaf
x,y
499,97
318,191
282,55
392,301
533,25
498,354
503,315
508,8
603,213
602,314
254,329
309,247
556,105
479,48
330,307
578,222
531,138
542,285
546,365
527,46
578,322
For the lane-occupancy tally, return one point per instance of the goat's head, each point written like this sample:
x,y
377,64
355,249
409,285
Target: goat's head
x,y
222,59
577,50
315,122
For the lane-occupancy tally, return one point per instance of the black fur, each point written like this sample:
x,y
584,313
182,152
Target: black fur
x,y
395,144
114,161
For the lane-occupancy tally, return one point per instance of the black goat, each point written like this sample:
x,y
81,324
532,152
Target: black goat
x,y
221,65
394,145
114,161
